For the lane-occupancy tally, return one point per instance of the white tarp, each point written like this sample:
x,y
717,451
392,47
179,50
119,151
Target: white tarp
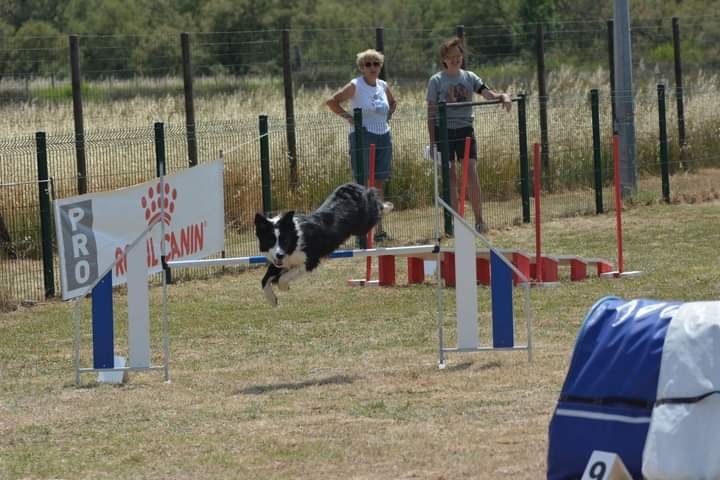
x,y
683,441
94,230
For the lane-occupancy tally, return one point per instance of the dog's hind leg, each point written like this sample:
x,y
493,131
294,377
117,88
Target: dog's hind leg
x,y
289,276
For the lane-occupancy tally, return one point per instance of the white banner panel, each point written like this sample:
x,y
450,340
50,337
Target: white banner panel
x,y
94,230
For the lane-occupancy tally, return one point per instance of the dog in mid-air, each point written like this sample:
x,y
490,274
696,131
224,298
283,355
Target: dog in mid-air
x,y
294,243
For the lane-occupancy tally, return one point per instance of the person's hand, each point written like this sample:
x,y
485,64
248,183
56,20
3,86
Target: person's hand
x,y
427,152
506,101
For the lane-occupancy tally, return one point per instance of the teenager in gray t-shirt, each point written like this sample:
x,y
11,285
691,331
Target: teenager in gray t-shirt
x,y
447,88
454,85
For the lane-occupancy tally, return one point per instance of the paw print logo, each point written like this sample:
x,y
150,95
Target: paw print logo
x,y
156,204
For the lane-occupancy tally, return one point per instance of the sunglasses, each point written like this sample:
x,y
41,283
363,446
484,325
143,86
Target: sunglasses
x,y
372,64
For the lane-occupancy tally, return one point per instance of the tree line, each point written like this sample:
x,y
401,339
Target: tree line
x,y
140,37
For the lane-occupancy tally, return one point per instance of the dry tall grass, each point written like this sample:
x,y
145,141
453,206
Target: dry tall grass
x,y
245,98
120,149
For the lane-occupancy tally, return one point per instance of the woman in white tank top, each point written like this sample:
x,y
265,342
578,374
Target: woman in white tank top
x,y
371,94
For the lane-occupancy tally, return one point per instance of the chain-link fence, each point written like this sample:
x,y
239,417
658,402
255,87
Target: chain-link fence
x,y
284,76
120,158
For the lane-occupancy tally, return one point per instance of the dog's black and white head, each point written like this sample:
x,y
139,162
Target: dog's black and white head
x,y
279,238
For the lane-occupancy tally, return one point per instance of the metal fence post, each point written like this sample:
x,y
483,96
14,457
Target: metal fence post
x,y
380,47
289,108
597,150
445,155
358,161
679,92
460,33
265,164
611,68
524,165
76,82
542,96
45,214
662,124
160,170
359,148
160,149
189,100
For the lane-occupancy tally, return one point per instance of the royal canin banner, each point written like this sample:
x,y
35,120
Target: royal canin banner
x,y
94,230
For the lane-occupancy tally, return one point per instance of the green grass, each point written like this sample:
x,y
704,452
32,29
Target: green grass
x,y
337,382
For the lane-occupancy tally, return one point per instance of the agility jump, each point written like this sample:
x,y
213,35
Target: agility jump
x,y
134,258
110,367
107,238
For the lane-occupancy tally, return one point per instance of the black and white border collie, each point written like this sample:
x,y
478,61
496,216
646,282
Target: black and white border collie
x,y
294,243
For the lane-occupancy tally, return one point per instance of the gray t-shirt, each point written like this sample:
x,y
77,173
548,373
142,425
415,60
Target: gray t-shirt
x,y
458,88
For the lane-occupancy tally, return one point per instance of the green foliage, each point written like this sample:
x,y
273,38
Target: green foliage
x,y
125,38
40,38
662,53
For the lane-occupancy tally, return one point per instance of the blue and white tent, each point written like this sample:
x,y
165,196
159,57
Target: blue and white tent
x,y
642,372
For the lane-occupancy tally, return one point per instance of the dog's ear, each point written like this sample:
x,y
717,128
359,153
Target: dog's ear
x,y
287,218
260,219
262,223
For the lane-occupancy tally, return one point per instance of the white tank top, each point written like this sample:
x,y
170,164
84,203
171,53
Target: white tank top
x,y
374,104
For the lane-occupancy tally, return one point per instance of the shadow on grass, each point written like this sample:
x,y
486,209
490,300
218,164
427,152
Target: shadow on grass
x,y
458,366
466,365
490,365
261,389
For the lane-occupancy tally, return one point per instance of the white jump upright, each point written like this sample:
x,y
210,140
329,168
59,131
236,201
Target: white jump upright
x,y
123,236
109,366
465,288
466,302
138,309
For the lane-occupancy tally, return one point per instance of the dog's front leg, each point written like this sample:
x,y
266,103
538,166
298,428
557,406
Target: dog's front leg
x,y
271,275
289,276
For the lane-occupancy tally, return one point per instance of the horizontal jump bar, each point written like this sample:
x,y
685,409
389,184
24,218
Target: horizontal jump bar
x,y
217,262
359,253
484,349
378,252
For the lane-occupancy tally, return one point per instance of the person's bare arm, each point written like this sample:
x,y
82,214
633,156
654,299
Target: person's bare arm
x,y
335,102
503,97
391,101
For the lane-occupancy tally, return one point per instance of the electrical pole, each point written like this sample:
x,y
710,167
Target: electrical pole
x,y
624,98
